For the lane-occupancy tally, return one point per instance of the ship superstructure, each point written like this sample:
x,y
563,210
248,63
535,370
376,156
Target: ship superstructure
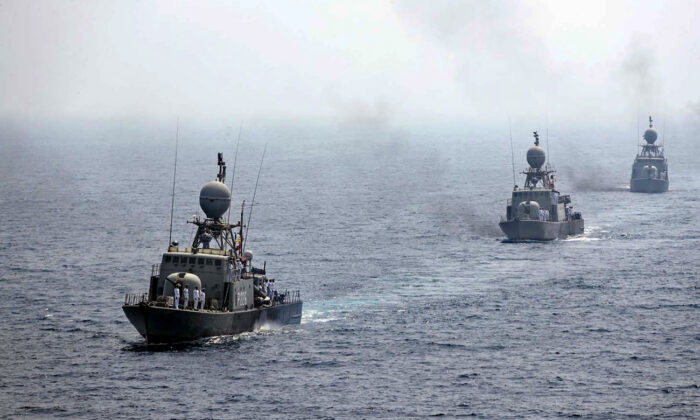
x,y
538,212
650,169
238,297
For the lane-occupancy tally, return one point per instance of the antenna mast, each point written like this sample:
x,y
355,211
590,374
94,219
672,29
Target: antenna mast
x,y
512,155
546,127
252,203
663,133
240,227
172,201
637,139
221,176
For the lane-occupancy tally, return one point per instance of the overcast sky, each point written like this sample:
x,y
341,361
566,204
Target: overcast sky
x,y
370,62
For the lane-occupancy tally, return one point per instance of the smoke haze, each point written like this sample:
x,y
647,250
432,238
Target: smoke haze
x,y
361,63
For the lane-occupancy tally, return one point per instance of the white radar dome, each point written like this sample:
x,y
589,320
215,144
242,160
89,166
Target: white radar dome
x,y
535,157
214,199
650,135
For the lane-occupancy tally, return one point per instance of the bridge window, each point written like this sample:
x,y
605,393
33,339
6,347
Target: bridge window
x,y
166,259
208,261
176,260
200,261
192,260
217,263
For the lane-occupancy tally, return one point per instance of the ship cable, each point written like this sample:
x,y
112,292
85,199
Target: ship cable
x,y
250,214
663,133
512,157
172,201
233,175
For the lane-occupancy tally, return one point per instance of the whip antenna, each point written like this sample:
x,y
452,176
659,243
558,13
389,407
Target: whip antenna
x,y
637,139
512,154
233,175
663,133
172,201
250,214
546,128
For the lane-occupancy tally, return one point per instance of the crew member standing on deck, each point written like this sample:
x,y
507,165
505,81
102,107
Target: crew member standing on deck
x,y
195,298
186,297
176,295
202,299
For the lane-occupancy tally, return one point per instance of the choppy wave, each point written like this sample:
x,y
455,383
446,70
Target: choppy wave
x,y
413,307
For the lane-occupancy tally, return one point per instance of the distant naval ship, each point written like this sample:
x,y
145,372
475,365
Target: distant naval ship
x,y
210,288
650,170
537,212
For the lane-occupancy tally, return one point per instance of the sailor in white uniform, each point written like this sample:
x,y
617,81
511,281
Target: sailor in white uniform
x,y
195,297
186,297
176,295
202,297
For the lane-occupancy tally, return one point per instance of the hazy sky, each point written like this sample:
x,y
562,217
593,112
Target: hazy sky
x,y
370,62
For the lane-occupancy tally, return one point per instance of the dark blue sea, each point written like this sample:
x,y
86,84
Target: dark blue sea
x,y
413,305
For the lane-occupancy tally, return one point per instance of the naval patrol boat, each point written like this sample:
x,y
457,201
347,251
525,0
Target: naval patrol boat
x,y
650,170
238,296
537,212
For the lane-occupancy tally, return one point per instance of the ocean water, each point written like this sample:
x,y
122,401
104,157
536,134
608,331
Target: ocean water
x,y
413,306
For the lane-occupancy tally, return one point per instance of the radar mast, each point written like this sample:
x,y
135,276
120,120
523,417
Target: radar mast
x,y
649,148
535,176
215,200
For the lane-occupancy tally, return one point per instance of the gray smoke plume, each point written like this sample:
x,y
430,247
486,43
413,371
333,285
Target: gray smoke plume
x,y
595,178
402,62
362,113
694,108
484,40
638,75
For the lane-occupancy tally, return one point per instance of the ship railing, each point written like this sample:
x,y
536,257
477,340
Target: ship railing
x,y
155,270
135,298
212,251
292,296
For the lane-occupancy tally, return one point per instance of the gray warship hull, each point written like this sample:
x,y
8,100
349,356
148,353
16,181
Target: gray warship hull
x,y
650,169
161,325
536,230
648,185
538,212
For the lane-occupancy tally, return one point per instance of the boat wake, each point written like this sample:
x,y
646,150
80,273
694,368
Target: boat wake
x,y
317,316
590,234
581,238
